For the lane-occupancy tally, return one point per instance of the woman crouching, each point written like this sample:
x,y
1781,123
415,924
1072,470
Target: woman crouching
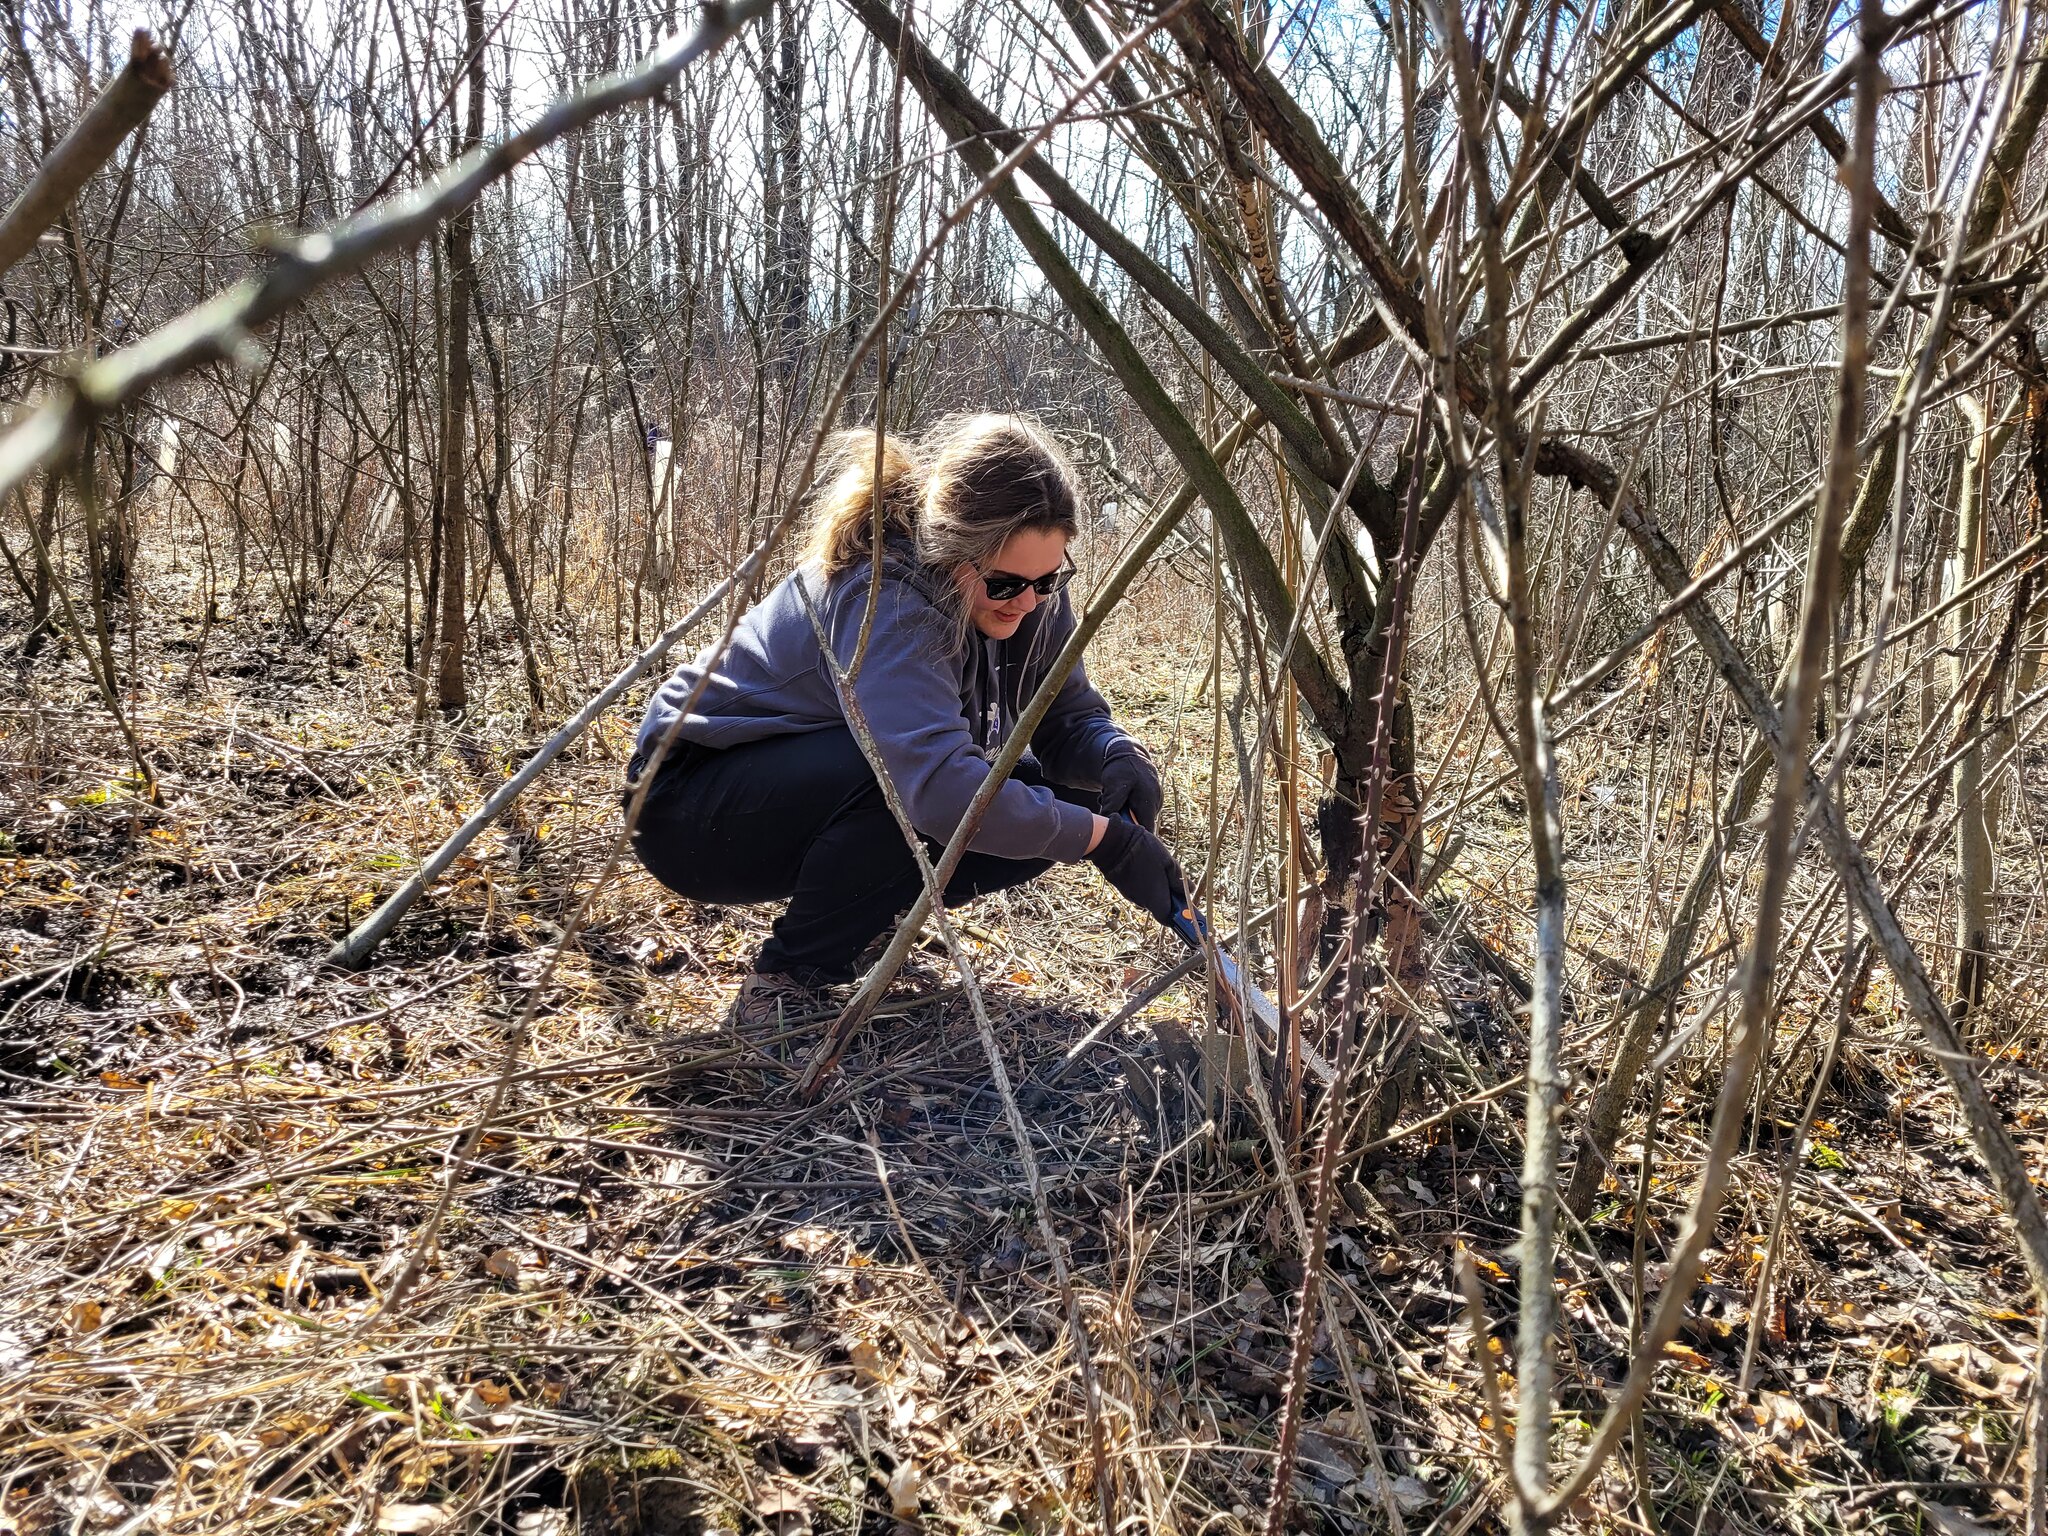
x,y
764,795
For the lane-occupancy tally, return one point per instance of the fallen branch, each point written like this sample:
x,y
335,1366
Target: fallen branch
x,y
364,938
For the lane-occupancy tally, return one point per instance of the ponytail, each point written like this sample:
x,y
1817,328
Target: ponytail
x,y
843,527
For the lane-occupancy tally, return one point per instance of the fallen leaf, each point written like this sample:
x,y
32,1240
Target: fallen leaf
x,y
1779,1413
411,1519
504,1264
83,1316
1976,1369
1411,1494
1323,1457
783,1510
1953,1522
903,1491
1850,1317
869,1363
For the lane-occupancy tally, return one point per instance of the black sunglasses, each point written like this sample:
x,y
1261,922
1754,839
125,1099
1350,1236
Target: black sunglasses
x,y
1001,586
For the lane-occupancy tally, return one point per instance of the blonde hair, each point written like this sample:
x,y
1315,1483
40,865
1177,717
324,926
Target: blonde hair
x,y
843,523
957,494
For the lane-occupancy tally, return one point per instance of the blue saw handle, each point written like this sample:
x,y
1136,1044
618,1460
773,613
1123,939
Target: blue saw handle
x,y
1193,928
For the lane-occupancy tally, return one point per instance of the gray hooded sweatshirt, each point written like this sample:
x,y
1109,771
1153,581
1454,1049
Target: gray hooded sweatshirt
x,y
939,708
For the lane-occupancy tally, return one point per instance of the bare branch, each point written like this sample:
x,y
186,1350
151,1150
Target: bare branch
x,y
222,328
121,108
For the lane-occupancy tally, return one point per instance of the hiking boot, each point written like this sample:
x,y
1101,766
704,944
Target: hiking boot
x,y
877,947
765,1001
920,967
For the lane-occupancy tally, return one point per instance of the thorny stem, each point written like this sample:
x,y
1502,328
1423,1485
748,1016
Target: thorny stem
x,y
1352,1047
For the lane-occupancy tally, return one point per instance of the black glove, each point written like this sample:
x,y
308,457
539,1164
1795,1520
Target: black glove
x,y
1131,783
1138,865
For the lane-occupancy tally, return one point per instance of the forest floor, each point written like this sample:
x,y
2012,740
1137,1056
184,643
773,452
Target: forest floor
x,y
667,1298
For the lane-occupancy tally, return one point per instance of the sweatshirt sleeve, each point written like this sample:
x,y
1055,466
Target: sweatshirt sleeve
x,y
1077,735
909,692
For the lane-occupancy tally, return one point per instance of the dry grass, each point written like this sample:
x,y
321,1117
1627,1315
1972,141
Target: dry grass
x,y
667,1298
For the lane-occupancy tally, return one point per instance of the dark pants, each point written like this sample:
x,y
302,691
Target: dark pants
x,y
801,818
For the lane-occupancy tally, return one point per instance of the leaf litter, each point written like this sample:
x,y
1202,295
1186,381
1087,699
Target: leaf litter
x,y
667,1298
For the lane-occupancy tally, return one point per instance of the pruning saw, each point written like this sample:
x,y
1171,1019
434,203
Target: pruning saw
x,y
1195,932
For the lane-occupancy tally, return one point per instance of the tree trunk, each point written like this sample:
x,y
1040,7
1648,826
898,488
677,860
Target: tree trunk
x,y
493,496
1975,853
45,530
450,689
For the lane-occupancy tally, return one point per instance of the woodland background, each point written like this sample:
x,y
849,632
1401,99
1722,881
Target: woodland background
x,y
1565,511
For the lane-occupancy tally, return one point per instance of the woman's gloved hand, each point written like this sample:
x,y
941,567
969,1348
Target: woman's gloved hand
x,y
1131,783
1138,865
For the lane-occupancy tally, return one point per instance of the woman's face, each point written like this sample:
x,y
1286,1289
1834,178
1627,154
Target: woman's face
x,y
1033,553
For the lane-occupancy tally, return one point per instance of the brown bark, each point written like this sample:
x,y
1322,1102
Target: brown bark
x,y
451,689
